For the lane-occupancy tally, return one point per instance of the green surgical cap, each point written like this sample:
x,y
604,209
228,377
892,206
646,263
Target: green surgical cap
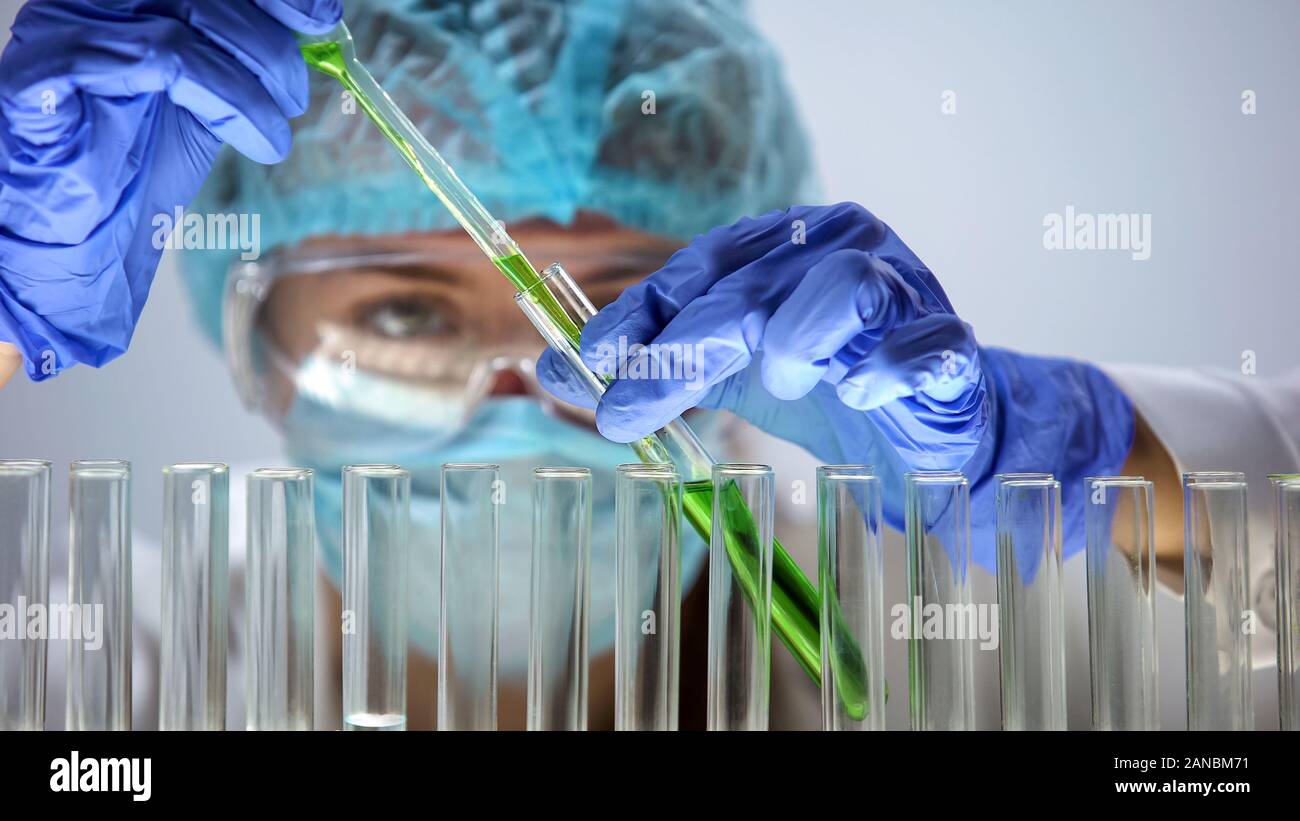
x,y
669,116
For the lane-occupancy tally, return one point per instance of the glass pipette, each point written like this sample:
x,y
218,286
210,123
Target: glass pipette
x,y
795,602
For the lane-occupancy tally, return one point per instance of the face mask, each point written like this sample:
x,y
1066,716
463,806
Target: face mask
x,y
513,432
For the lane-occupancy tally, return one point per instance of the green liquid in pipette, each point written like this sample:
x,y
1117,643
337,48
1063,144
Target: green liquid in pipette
x,y
795,600
327,58
794,603
521,274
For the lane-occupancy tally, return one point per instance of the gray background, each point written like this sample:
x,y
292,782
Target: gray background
x,y
1106,106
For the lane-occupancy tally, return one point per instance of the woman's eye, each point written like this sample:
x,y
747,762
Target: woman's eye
x,y
403,318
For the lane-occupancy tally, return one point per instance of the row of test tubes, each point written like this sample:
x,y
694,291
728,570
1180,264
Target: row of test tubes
x,y
195,596
1121,566
280,603
651,504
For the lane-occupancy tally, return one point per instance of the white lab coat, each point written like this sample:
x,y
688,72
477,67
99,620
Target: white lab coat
x,y
1207,420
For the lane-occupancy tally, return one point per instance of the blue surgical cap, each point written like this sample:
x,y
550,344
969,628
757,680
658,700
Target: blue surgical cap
x,y
669,116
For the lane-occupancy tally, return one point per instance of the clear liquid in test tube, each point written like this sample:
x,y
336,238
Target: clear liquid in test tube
x,y
941,686
376,556
280,599
195,597
24,586
1286,506
557,648
99,588
1216,579
1031,615
1121,602
471,548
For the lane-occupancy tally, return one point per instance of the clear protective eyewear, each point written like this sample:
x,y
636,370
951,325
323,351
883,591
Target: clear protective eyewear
x,y
385,335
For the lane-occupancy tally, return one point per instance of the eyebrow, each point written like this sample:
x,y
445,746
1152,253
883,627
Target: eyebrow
x,y
404,265
623,266
413,271
420,265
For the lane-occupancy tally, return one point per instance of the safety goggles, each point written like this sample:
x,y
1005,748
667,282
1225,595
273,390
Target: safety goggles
x,y
381,334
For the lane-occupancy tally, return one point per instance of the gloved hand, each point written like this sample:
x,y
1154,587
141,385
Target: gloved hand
x,y
818,325
111,113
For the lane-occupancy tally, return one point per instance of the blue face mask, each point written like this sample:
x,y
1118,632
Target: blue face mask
x,y
514,432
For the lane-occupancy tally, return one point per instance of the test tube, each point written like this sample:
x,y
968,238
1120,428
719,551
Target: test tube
x,y
647,596
24,585
1121,602
376,528
279,596
851,569
99,594
940,671
1031,648
1216,583
1286,495
557,646
467,647
195,593
740,622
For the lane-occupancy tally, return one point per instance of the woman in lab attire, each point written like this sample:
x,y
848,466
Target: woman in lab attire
x,y
371,330
370,272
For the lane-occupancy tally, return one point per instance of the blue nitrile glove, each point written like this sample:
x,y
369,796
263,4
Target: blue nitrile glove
x,y
111,113
818,325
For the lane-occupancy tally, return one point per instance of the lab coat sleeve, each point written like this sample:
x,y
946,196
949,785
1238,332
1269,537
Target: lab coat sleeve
x,y
1224,420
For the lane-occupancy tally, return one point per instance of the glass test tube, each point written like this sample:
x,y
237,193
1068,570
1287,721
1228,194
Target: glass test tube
x,y
740,624
280,599
467,646
99,594
1216,597
24,584
1031,648
557,646
1121,603
376,553
195,594
647,596
1286,495
852,570
559,309
941,692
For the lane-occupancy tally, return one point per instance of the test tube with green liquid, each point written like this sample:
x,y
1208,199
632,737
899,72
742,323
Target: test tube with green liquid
x,y
559,309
